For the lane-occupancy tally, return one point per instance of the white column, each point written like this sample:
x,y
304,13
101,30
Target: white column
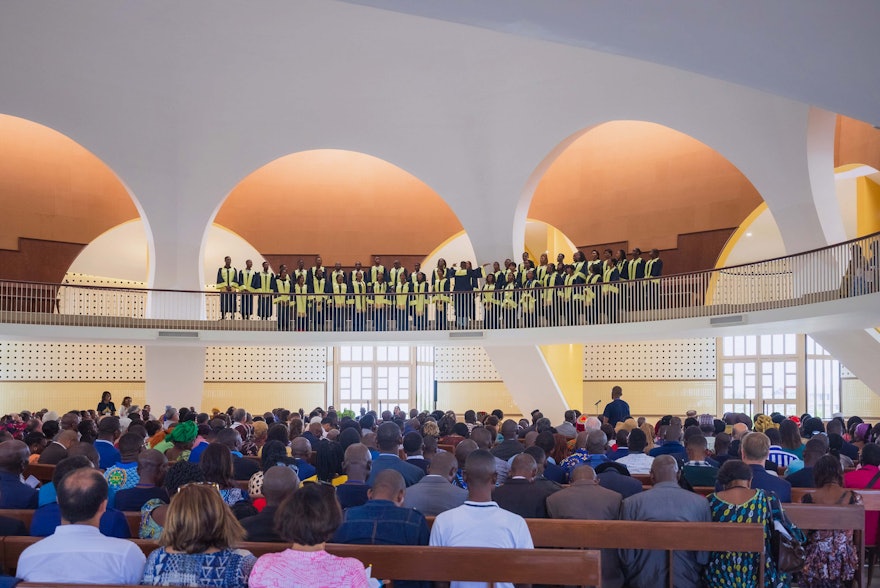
x,y
528,379
175,376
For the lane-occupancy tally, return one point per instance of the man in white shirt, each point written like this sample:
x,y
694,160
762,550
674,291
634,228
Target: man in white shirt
x,y
637,461
77,553
480,522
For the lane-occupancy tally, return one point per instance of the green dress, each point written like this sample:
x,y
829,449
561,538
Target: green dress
x,y
727,569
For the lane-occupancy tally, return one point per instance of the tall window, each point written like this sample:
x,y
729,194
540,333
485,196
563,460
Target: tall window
x,y
381,377
823,381
759,373
777,373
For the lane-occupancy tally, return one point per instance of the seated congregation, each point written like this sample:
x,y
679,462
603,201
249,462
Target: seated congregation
x,y
199,487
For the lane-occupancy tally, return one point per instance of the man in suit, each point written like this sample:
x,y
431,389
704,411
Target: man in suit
x,y
585,499
519,494
57,449
243,468
279,482
412,447
13,492
755,448
435,493
665,501
388,440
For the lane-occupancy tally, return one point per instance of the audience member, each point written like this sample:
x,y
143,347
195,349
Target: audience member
x,y
585,499
435,493
216,464
519,494
242,468
356,463
671,444
279,482
47,518
479,522
123,473
301,450
509,446
77,546
108,433
57,449
196,546
696,470
307,519
412,447
388,439
383,520
755,447
615,476
813,450
567,428
483,438
153,511
665,501
636,460
738,502
151,475
13,492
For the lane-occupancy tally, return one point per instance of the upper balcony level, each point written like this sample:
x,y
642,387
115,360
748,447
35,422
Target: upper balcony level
x,y
834,287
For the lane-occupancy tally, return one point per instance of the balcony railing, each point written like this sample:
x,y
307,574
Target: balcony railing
x,y
831,273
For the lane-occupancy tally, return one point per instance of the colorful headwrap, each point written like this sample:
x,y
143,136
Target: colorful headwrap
x,y
184,432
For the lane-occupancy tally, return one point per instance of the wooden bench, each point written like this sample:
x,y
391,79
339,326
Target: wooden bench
x,y
133,518
528,566
41,471
817,517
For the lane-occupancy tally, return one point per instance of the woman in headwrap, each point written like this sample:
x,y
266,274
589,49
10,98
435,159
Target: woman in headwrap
x,y
182,437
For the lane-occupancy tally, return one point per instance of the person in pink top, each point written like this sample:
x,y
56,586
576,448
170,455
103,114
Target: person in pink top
x,y
867,477
308,518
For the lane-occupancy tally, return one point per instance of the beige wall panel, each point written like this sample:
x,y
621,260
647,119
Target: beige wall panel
x,y
857,399
462,396
64,396
259,397
658,398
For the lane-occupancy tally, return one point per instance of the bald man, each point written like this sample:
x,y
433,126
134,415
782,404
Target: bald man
x,y
13,492
57,449
585,499
480,522
666,501
151,474
435,493
383,520
279,482
519,494
356,464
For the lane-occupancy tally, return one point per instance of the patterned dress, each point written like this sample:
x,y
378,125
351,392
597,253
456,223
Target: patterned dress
x,y
224,568
831,558
728,569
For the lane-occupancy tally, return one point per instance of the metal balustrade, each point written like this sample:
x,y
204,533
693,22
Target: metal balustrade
x,y
830,273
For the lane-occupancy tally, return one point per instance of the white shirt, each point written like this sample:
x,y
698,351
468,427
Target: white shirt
x,y
80,554
480,524
637,463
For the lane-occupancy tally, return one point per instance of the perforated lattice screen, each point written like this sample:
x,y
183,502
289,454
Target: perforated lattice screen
x,y
680,359
463,364
71,362
266,364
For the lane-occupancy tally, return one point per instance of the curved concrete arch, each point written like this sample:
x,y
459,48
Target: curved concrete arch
x,y
384,172
758,175
61,128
